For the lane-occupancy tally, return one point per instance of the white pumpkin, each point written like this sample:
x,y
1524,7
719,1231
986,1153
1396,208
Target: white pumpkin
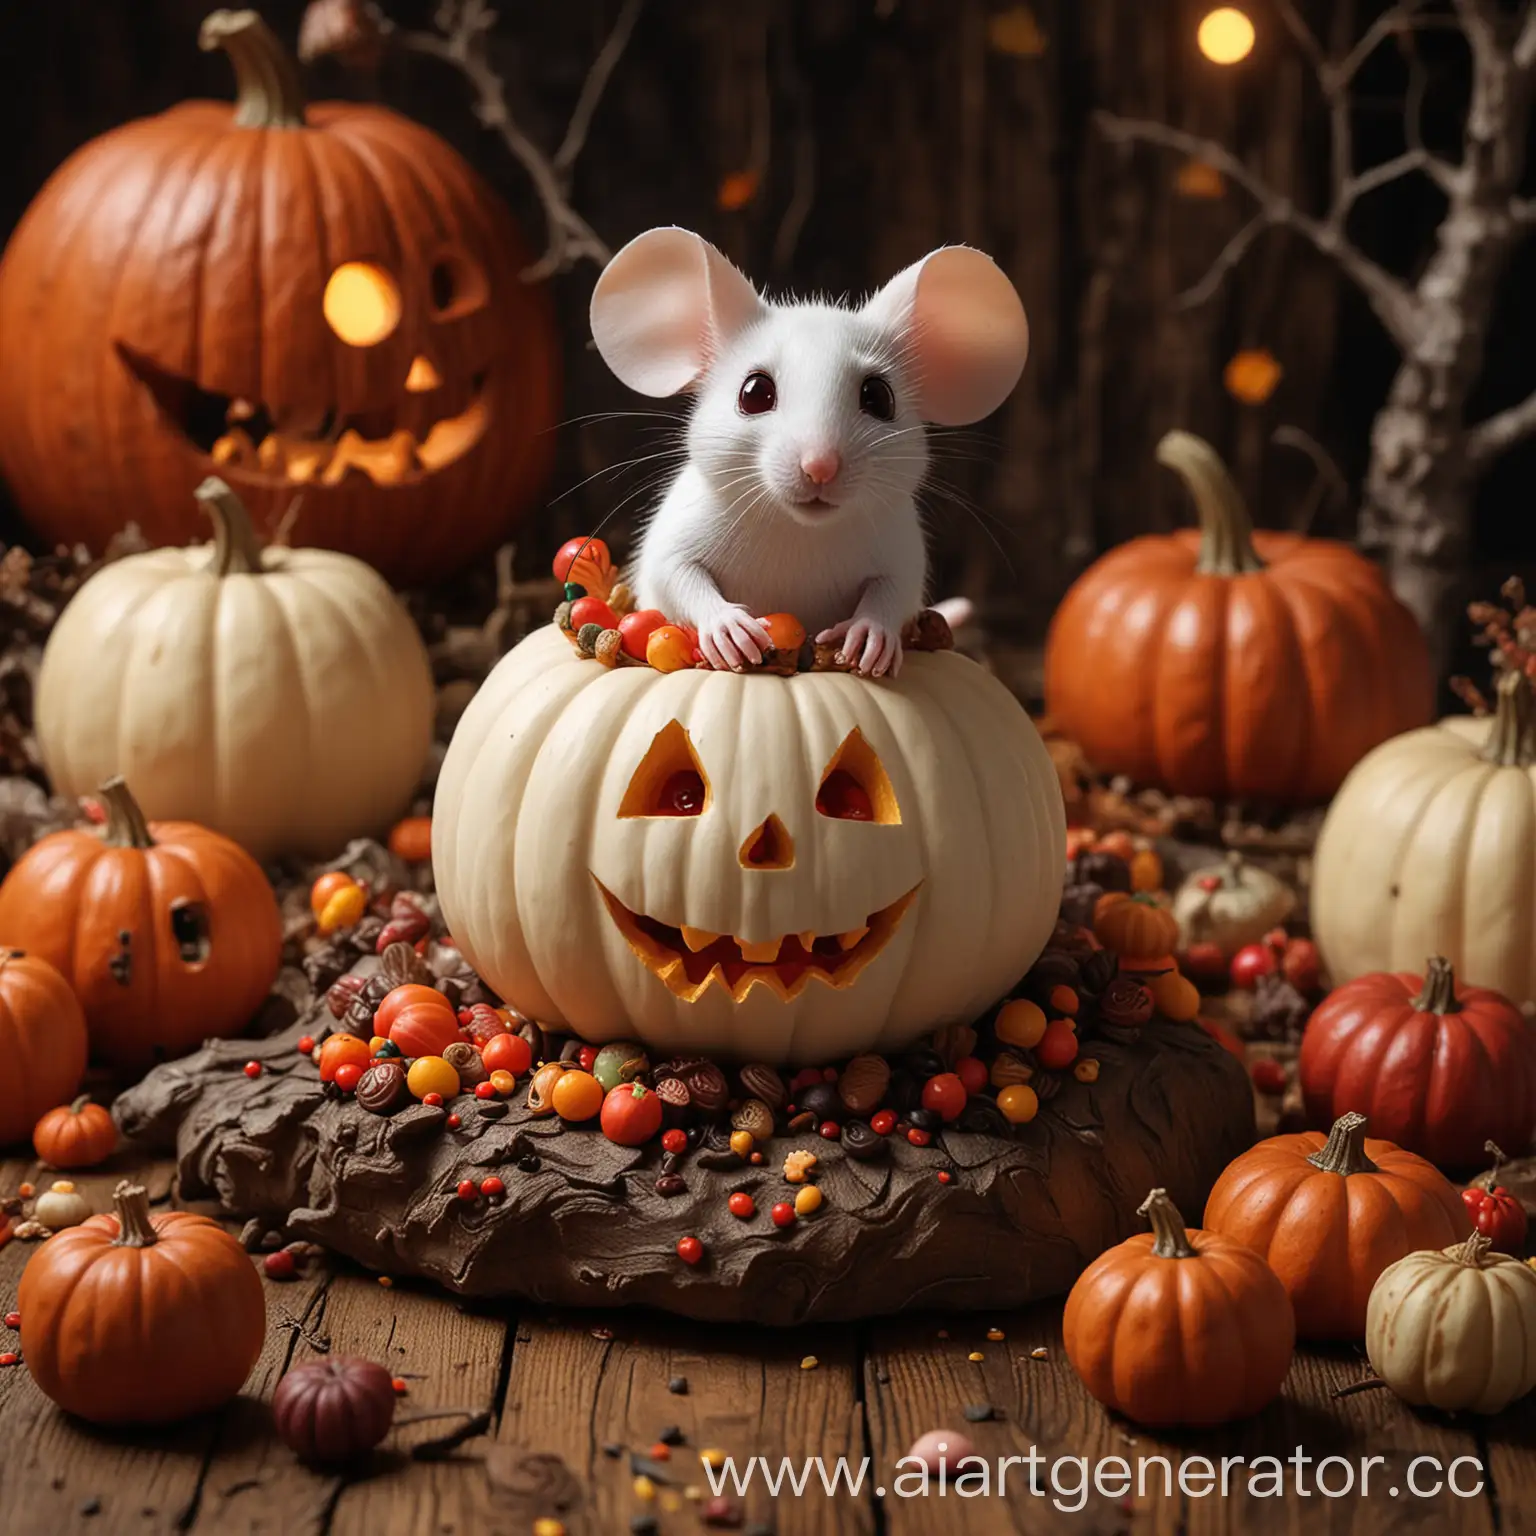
x,y
60,1206
629,852
1230,904
1455,1329
281,696
1427,850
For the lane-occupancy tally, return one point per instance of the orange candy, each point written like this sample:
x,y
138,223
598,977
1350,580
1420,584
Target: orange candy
x,y
411,839
327,886
669,649
785,630
1063,1000
1176,996
577,1096
338,1050
586,562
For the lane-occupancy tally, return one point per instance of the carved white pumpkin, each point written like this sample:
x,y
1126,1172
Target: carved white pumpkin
x,y
673,855
1426,850
1455,1328
1230,904
279,696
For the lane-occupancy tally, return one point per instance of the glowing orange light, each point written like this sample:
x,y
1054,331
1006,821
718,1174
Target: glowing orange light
x,y
1251,376
1226,35
362,303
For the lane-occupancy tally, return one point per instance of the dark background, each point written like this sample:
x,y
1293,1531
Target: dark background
x,y
894,126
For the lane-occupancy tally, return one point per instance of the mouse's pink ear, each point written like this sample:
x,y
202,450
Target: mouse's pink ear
x,y
962,331
663,307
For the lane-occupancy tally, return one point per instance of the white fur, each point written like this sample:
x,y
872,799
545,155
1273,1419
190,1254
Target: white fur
x,y
734,538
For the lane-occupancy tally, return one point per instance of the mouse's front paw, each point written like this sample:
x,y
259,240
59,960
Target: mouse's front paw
x,y
732,640
872,649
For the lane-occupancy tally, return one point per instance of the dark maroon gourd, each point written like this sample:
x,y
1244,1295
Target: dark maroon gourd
x,y
334,1410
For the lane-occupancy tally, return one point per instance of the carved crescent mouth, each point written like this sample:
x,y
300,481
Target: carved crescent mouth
x,y
689,960
240,435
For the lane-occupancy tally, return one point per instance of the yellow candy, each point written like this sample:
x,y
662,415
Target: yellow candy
x,y
431,1074
1086,1071
712,1458
502,1081
343,910
377,1044
1019,1103
808,1200
1021,1023
741,1143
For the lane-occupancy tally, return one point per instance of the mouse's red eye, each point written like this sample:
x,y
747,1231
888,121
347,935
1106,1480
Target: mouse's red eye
x,y
876,398
758,394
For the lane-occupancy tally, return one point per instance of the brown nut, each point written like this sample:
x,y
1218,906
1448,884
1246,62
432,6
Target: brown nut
x,y
542,1087
755,1118
863,1083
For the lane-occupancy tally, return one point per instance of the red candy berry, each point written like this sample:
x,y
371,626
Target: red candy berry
x,y
804,1078
347,1075
485,1090
587,1057
468,1189
466,1017
253,1069
453,1122
1058,1047
492,1188
690,1250
742,1205
945,1095
399,1385
945,1176
830,1129
783,1214
280,1265
1251,962
433,1099
9,1358
883,1123
13,1319
306,1044
917,1137
972,1073
674,1141
1268,1075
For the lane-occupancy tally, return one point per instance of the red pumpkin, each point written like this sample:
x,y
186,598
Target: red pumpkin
x,y
333,1410
631,1114
1262,665
140,1319
1496,1213
42,1042
77,1135
1437,1067
168,933
324,305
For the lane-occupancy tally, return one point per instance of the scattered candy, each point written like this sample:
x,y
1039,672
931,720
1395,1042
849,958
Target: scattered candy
x,y
502,1083
742,1205
468,1189
809,1363
996,1334
975,1356
453,1122
797,1165
347,1076
808,1200
485,1090
783,1214
252,1069
712,1458
306,1044
1086,1070
830,1130
918,1137
280,1265
577,1095
644,1488
741,1143
884,1123
674,1141
940,1449
945,1176
492,1188
432,1099
690,1250
546,1525
10,1357
1019,1104
13,1319
660,1451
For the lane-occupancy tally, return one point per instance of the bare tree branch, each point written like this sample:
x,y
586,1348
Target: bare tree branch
x,y
1389,297
1488,439
1441,172
1231,254
460,40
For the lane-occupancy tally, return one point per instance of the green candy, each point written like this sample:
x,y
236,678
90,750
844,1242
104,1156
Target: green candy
x,y
621,1062
573,590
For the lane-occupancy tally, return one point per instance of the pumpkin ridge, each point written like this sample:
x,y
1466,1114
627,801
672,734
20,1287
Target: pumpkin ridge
x,y
1305,719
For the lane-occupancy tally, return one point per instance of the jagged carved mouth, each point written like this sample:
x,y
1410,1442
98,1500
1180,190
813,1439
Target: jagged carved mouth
x,y
243,435
690,960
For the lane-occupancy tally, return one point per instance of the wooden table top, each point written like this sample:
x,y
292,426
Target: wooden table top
x,y
572,1396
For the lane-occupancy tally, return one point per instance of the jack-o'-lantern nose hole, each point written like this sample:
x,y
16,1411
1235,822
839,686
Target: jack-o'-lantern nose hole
x,y
423,377
361,303
769,847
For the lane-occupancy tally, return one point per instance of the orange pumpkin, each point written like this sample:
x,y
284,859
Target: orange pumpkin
x,y
1244,664
42,1042
134,1319
77,1135
1135,925
168,933
1178,1327
1330,1213
322,304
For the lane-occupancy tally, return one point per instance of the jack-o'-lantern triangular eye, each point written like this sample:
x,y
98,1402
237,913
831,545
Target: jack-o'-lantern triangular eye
x,y
855,785
670,780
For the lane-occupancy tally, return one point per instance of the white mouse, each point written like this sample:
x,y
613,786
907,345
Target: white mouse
x,y
806,444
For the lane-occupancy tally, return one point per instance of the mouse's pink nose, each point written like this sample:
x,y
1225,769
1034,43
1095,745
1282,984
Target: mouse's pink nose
x,y
822,466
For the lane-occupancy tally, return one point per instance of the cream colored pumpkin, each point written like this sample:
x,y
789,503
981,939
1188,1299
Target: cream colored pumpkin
x,y
1427,850
1230,904
281,697
1455,1328
585,906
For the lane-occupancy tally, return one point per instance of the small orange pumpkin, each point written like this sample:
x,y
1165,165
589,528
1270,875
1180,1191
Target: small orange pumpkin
x,y
140,1319
1178,1327
77,1135
168,933
42,1042
411,839
1329,1214
1137,925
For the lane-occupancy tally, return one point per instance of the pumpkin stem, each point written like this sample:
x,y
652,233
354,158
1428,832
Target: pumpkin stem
x,y
1512,741
1232,870
126,826
1474,1251
1168,1230
236,549
1439,994
1344,1151
79,1103
1226,531
135,1229
268,92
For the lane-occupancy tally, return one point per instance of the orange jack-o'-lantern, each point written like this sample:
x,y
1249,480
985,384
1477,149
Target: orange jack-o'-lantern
x,y
781,869
320,300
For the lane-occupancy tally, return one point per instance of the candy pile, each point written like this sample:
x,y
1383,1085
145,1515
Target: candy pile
x,y
599,618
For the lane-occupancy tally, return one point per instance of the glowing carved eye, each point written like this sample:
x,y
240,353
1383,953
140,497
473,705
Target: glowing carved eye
x,y
457,284
189,928
876,398
362,303
855,786
758,394
670,779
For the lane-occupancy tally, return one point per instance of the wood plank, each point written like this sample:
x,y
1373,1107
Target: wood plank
x,y
1508,1446
572,1391
916,1381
